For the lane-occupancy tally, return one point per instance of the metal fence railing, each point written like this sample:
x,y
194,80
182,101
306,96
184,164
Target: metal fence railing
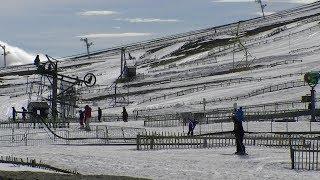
x,y
98,135
304,147
306,156
153,140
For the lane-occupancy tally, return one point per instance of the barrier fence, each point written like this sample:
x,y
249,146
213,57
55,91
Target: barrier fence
x,y
33,163
98,135
272,88
225,116
305,157
19,123
304,148
157,141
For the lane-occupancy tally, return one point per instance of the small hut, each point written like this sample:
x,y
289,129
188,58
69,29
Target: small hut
x,y
40,108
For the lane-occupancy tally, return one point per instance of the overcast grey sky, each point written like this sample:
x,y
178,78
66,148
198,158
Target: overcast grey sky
x,y
54,27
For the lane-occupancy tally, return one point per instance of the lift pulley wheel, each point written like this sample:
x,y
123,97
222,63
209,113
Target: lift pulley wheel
x,y
89,79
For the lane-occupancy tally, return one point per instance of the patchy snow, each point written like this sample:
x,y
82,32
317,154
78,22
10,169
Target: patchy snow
x,y
165,51
14,167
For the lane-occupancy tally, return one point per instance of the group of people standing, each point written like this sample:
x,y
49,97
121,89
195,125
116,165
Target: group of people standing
x,y
238,118
23,114
85,117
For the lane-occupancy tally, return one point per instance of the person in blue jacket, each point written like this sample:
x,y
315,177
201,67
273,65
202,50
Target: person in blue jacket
x,y
239,132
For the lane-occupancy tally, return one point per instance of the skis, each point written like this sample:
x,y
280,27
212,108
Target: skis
x,y
233,154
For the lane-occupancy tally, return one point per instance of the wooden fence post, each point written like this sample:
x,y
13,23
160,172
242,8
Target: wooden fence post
x,y
97,132
123,134
12,136
205,142
292,156
26,139
151,141
68,136
138,142
106,135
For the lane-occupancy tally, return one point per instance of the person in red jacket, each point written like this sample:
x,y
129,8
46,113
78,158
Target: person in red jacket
x,y
87,117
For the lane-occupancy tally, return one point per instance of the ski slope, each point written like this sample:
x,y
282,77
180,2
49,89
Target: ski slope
x,y
278,55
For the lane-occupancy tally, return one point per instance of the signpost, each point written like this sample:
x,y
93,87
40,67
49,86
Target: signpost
x,y
312,79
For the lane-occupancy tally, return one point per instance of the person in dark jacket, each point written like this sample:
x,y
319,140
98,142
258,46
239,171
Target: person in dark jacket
x,y
238,131
24,114
37,60
87,117
81,119
190,132
99,114
192,124
124,115
14,114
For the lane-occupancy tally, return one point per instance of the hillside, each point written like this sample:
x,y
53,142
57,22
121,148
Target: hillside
x,y
252,62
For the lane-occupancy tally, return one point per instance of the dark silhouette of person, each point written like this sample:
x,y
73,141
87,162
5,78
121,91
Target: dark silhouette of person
x,y
24,114
99,114
87,117
191,125
81,119
124,115
238,117
37,60
14,114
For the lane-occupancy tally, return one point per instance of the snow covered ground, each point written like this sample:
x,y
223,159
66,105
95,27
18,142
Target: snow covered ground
x,y
216,163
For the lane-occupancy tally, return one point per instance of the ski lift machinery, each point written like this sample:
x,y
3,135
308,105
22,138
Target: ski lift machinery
x,y
49,69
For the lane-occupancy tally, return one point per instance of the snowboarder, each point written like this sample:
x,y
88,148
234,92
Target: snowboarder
x,y
24,114
238,131
81,118
14,114
87,114
124,115
99,114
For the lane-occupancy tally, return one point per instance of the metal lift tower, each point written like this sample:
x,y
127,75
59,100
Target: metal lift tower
x,y
5,53
88,44
262,6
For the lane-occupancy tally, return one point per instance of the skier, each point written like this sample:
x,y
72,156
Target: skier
x,y
81,118
24,114
239,132
124,115
99,114
87,114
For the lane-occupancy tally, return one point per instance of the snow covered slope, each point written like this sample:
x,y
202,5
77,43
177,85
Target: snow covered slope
x,y
212,64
